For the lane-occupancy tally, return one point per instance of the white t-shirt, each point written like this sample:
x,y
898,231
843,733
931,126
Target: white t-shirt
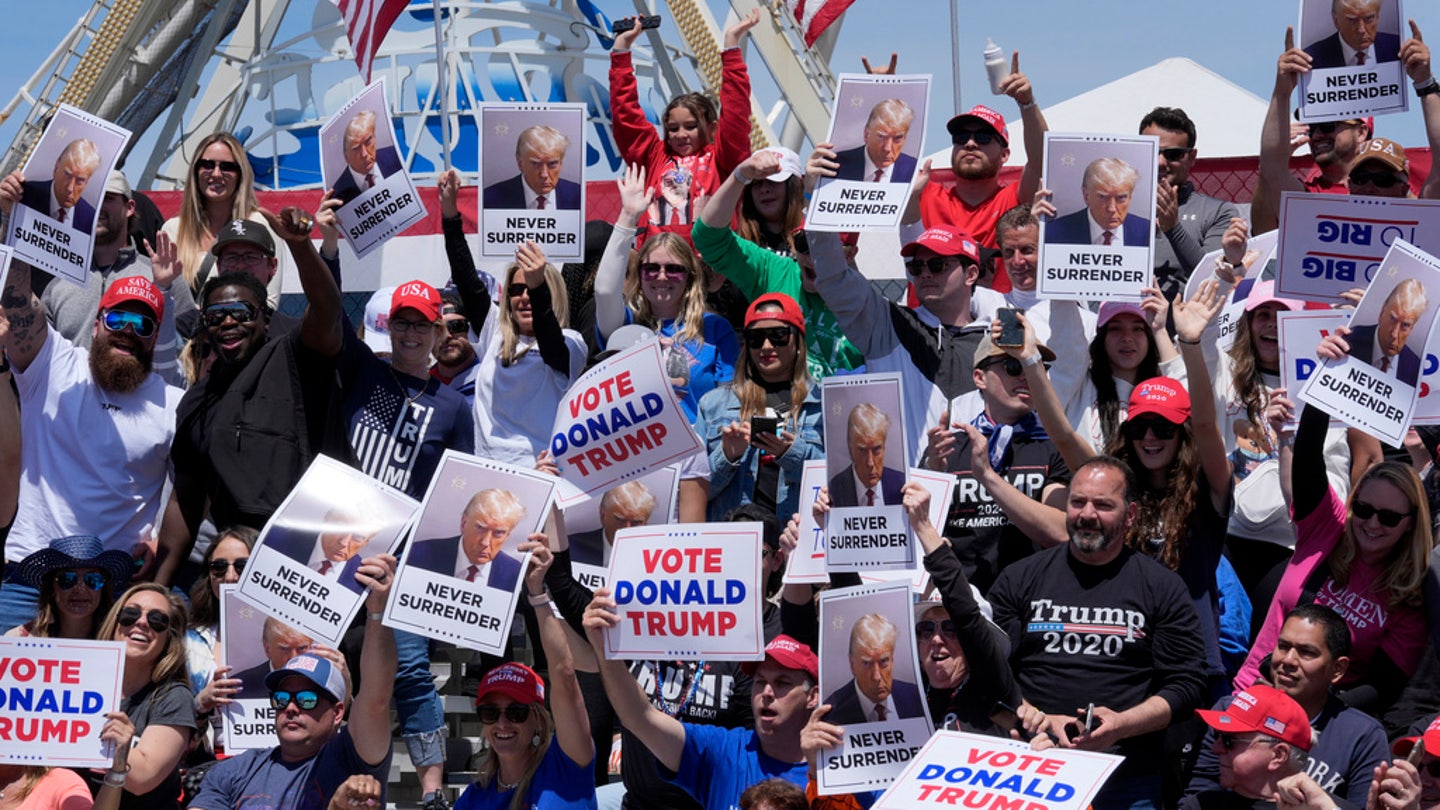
x,y
94,461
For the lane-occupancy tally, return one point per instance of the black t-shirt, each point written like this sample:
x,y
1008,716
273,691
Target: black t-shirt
x,y
983,537
166,704
767,475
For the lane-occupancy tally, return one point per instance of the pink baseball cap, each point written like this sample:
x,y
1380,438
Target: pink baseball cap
x,y
1264,292
1110,309
984,115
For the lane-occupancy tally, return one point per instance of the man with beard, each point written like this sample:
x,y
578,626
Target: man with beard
x,y
1094,623
455,362
95,426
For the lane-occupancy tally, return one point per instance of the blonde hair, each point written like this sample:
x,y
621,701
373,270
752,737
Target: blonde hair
x,y
691,321
510,348
1403,577
192,233
171,666
487,765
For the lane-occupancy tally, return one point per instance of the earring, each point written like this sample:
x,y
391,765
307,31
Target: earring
x,y
535,741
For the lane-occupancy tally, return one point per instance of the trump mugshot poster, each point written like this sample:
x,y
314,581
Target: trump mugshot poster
x,y
1355,68
1100,243
591,524
463,568
1331,243
687,592
870,678
254,645
302,571
363,168
877,129
956,769
53,226
1376,387
532,184
54,695
865,471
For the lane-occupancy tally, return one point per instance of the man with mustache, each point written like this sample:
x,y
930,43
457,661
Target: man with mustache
x,y
95,426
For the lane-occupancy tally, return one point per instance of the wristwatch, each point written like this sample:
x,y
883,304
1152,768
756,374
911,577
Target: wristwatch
x,y
1428,88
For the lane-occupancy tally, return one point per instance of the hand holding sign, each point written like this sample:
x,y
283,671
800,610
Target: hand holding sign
x,y
377,573
819,735
600,617
823,162
220,691
12,188
941,441
540,559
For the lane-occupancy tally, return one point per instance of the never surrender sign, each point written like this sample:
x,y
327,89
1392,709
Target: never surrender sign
x,y
54,695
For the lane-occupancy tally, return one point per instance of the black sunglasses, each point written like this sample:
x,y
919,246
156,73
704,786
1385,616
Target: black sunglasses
x,y
1009,365
926,628
158,620
1230,740
218,567
935,264
1174,153
1325,127
515,291
981,137
489,713
1388,518
1135,429
1381,179
94,580
779,337
459,326
116,320
209,165
1432,767
240,311
306,699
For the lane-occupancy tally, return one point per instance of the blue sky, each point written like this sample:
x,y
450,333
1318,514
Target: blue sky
x,y
1066,47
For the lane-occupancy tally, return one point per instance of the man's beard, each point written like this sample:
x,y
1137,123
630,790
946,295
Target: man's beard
x,y
452,355
1091,537
978,172
117,372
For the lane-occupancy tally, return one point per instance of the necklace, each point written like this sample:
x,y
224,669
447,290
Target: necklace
x,y
503,786
409,400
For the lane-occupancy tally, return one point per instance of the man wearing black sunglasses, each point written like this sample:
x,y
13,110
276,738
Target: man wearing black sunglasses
x,y
455,362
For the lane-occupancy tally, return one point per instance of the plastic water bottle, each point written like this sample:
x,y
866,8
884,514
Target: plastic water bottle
x,y
995,65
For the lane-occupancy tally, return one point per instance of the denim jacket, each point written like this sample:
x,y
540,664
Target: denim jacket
x,y
732,483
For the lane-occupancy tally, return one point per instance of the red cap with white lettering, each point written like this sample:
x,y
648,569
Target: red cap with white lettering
x,y
790,654
418,296
135,288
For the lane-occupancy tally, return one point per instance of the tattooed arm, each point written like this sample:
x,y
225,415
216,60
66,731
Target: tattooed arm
x,y
22,306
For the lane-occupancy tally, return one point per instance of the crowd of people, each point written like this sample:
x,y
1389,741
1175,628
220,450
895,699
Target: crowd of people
x,y
1151,549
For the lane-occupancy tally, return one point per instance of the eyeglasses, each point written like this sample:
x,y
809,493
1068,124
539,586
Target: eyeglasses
x,y
218,567
208,165
1135,429
240,311
1388,518
779,337
981,137
1230,741
1382,179
158,620
401,327
489,713
926,628
458,326
242,259
1432,767
1009,365
1174,153
116,320
305,699
651,270
935,264
517,289
94,580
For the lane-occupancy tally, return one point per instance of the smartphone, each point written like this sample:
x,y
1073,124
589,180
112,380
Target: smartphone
x,y
764,425
1075,728
624,24
801,243
1417,754
1011,332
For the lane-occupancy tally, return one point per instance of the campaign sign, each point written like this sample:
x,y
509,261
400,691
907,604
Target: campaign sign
x,y
688,592
877,128
1331,243
870,677
254,644
1355,68
1427,405
806,564
956,769
532,179
361,163
620,419
1299,333
54,695
1100,243
302,571
1376,387
1258,252
590,525
941,486
53,226
463,570
866,527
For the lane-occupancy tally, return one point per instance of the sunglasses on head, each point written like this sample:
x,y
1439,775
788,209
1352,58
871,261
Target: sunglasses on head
x,y
517,289
116,320
208,165
490,713
94,580
218,567
240,311
458,326
1135,429
1388,518
158,620
1378,179
935,264
1174,153
981,137
1009,365
651,270
927,628
306,699
779,336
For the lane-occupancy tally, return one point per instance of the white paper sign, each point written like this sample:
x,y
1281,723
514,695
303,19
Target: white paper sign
x,y
688,592
866,528
941,486
1338,86
1300,332
1259,251
1331,243
651,499
249,720
361,161
806,565
54,695
530,151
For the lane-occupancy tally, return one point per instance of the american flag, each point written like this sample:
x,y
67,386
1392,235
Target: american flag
x,y
366,24
814,16
385,449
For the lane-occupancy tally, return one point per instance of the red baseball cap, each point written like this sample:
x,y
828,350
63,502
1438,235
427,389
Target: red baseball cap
x,y
418,296
1264,709
513,680
1162,396
946,241
790,654
1431,736
789,311
135,288
984,115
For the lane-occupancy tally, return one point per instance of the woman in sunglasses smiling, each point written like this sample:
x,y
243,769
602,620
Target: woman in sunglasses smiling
x,y
1367,557
761,428
156,706
77,580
